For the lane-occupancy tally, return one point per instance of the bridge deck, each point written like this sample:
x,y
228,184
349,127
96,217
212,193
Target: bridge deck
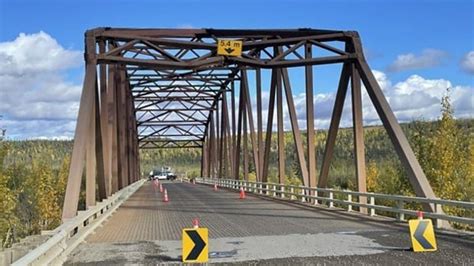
x,y
146,229
146,217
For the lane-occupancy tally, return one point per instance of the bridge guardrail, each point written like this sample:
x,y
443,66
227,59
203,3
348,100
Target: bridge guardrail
x,y
71,233
327,196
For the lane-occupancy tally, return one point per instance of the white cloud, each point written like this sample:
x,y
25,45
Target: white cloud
x,y
418,97
35,53
467,62
36,100
413,98
427,58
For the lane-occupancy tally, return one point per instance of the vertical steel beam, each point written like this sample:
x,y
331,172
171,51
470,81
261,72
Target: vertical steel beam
x,y
137,151
221,140
120,126
248,103
104,121
134,155
224,165
334,126
258,80
233,157
99,151
310,118
134,142
130,155
218,139
245,142
113,127
126,129
91,159
212,143
281,132
358,135
203,160
136,175
207,156
128,121
81,136
238,137
268,136
227,142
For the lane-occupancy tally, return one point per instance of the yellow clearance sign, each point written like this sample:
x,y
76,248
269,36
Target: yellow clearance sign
x,y
195,245
229,47
422,235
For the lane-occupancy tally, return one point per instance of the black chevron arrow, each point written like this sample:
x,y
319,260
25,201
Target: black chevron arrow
x,y
418,235
199,245
229,50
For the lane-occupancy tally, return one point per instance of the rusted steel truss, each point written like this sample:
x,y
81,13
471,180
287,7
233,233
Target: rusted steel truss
x,y
168,88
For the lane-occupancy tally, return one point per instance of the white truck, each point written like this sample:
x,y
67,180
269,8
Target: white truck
x,y
162,174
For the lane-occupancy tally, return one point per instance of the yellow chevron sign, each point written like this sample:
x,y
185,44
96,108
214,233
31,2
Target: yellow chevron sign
x,y
229,47
195,245
422,235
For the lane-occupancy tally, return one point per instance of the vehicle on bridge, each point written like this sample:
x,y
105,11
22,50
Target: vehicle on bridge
x,y
171,176
164,173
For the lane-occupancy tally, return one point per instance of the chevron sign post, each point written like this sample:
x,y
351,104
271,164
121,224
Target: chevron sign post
x,y
422,235
195,245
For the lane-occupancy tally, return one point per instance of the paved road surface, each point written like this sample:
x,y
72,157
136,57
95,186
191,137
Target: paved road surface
x,y
145,230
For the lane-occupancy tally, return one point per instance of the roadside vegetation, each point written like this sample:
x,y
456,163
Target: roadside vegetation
x,y
33,173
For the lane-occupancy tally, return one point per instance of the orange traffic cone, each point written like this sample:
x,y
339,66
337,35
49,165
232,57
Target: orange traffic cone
x,y
420,215
215,186
165,196
195,223
242,193
161,188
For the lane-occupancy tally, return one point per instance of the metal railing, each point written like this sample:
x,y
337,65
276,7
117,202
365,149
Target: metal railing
x,y
346,199
71,233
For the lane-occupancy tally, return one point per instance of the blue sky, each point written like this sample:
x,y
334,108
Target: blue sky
x,y
388,28
434,36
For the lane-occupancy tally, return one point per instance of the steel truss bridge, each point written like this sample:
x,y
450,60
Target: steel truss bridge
x,y
168,88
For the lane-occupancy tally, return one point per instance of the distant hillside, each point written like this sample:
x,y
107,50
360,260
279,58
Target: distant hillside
x,y
33,173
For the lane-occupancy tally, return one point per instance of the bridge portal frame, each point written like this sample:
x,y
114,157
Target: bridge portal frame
x,y
168,88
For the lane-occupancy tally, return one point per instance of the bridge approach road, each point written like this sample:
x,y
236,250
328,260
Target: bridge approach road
x,y
146,230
